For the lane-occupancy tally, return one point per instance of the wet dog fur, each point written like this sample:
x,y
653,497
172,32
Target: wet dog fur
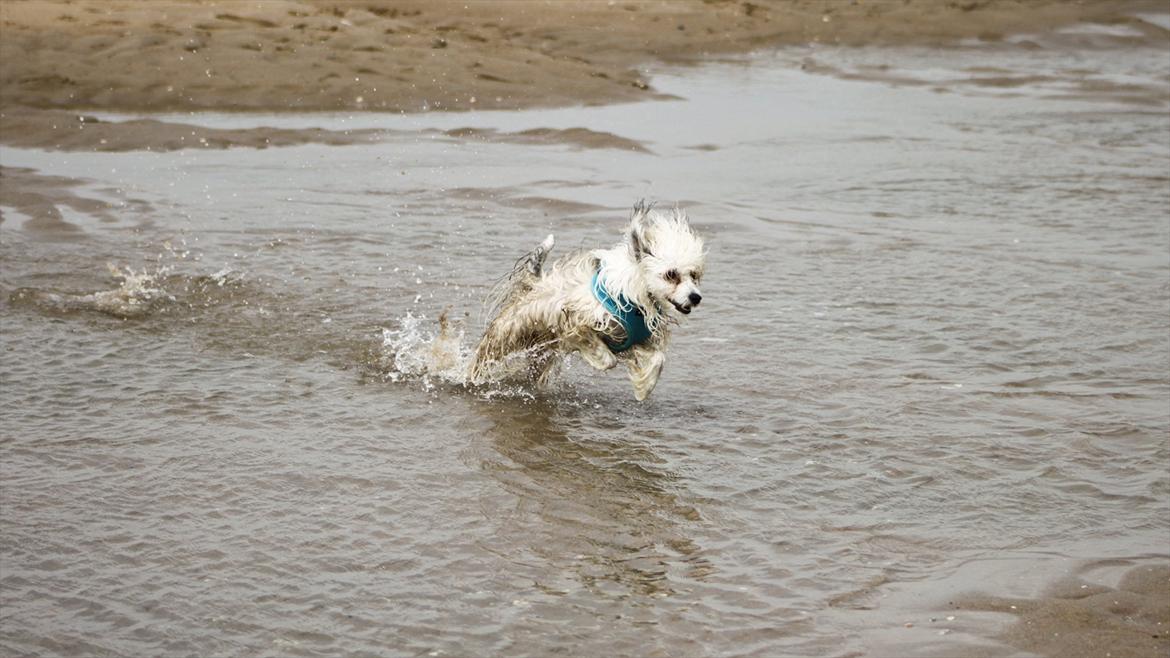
x,y
546,312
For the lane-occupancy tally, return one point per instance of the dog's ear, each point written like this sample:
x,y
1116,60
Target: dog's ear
x,y
636,235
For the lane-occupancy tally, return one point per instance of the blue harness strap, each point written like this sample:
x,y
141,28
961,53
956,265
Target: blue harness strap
x,y
626,313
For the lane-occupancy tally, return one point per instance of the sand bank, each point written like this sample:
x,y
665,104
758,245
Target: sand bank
x,y
41,198
1080,618
414,55
59,130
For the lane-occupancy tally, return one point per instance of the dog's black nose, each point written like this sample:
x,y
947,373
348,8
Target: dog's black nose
x,y
695,298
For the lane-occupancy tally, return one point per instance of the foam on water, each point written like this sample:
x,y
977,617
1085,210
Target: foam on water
x,y
137,295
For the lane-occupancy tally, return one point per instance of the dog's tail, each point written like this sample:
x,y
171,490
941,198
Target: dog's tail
x,y
527,267
534,261
499,339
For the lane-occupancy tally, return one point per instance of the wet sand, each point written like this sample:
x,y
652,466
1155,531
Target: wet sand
x,y
414,55
1041,605
1077,618
58,130
41,198
169,56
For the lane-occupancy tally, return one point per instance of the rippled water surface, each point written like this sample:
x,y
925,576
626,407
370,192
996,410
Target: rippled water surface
x,y
933,337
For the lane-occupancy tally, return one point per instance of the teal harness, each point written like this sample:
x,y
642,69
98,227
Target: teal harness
x,y
626,313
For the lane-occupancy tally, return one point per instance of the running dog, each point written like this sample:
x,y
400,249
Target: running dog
x,y
608,305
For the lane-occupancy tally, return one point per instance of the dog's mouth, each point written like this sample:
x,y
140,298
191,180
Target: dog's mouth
x,y
685,310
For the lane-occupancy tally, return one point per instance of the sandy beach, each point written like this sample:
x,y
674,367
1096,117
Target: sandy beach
x,y
410,56
58,57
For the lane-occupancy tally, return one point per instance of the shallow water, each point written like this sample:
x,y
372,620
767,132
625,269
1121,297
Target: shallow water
x,y
933,337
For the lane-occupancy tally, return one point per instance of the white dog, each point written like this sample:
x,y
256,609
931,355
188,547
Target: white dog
x,y
609,305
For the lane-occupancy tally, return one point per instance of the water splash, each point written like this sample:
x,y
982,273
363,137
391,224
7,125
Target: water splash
x,y
416,351
137,295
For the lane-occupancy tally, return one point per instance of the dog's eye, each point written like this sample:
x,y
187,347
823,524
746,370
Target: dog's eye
x,y
671,275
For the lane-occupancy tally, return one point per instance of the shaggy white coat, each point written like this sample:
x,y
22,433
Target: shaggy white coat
x,y
545,313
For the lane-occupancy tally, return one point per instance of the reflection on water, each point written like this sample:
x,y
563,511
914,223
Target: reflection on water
x,y
595,506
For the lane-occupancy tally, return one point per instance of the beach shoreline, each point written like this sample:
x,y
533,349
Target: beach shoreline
x,y
415,56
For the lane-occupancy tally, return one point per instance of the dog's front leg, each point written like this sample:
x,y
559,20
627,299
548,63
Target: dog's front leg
x,y
645,368
595,352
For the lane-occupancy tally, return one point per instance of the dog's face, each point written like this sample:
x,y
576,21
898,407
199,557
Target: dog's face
x,y
670,255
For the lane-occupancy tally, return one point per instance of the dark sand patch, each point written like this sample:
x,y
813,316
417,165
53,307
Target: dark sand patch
x,y
557,207
41,198
514,197
581,138
58,130
1077,618
64,131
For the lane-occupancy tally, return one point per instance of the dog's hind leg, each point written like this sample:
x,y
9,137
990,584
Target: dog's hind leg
x,y
645,368
544,367
505,335
510,328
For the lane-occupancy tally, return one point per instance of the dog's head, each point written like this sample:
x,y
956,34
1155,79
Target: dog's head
x,y
669,253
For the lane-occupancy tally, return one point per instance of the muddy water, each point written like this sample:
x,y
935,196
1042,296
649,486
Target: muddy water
x,y
932,360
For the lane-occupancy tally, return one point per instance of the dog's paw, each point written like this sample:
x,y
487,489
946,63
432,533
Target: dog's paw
x,y
644,376
606,361
600,360
610,362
